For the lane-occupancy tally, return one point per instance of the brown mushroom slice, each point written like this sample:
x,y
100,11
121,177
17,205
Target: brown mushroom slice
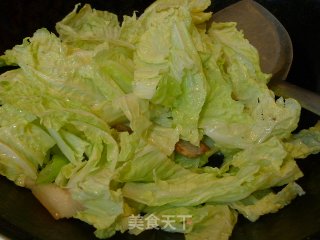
x,y
121,127
189,150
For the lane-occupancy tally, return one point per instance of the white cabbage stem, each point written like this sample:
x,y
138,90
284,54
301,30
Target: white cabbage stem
x,y
56,200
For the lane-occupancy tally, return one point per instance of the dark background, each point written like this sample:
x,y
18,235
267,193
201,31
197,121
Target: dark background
x,y
22,217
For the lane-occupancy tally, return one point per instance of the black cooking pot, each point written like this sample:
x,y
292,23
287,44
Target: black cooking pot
x,y
22,217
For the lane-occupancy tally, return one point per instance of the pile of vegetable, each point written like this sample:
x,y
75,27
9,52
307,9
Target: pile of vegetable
x,y
110,120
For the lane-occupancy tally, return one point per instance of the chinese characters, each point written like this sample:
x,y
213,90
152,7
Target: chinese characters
x,y
152,221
